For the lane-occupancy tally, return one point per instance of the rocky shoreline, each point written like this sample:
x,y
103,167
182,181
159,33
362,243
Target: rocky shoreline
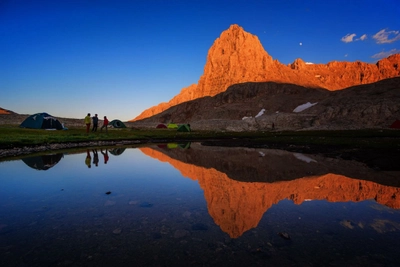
x,y
19,151
380,160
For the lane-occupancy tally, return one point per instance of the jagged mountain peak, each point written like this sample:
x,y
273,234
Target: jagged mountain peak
x,y
237,56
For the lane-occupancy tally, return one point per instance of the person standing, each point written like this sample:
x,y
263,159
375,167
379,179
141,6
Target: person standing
x,y
95,123
87,122
105,124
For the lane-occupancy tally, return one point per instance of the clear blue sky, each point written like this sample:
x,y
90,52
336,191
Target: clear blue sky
x,y
118,58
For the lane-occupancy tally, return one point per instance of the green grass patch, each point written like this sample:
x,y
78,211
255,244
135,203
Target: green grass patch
x,y
13,136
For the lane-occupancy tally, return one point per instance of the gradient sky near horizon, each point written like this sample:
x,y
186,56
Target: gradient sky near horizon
x,y
118,58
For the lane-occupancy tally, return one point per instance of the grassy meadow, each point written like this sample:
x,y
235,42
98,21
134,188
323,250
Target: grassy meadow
x,y
14,136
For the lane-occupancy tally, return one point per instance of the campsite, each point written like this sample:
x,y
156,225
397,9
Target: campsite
x,y
363,145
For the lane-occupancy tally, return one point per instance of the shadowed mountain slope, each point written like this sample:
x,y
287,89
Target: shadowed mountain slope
x,y
364,106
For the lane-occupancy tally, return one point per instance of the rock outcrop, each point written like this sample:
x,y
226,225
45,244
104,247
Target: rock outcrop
x,y
235,57
238,57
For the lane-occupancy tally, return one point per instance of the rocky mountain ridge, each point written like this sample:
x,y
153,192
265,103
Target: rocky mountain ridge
x,y
5,111
238,57
263,106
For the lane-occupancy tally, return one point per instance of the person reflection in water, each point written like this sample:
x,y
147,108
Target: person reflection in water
x,y
105,155
95,158
88,159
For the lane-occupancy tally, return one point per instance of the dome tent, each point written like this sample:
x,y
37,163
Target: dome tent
x,y
184,128
42,121
161,125
172,126
117,124
395,124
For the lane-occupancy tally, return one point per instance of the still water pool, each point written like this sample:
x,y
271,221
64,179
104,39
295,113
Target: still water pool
x,y
192,205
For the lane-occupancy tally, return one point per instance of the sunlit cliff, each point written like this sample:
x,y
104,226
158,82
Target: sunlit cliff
x,y
237,56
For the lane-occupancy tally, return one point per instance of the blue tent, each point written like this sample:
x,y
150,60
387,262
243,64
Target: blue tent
x,y
41,121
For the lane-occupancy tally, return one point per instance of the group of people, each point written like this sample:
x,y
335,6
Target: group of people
x,y
88,159
95,120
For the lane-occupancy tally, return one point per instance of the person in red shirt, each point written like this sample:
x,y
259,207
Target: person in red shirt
x,y
105,124
105,156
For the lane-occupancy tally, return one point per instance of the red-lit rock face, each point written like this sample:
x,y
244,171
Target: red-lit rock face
x,y
238,57
3,111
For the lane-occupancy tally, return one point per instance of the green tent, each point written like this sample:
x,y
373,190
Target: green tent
x,y
42,121
172,126
117,124
184,128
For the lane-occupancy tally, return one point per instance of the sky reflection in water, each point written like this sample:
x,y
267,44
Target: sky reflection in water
x,y
199,206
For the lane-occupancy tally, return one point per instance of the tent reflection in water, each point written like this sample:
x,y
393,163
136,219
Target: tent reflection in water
x,y
117,151
185,145
43,162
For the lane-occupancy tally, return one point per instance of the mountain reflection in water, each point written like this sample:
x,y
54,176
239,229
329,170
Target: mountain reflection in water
x,y
130,206
241,184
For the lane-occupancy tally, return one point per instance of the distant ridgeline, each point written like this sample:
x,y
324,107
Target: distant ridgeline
x,y
5,111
